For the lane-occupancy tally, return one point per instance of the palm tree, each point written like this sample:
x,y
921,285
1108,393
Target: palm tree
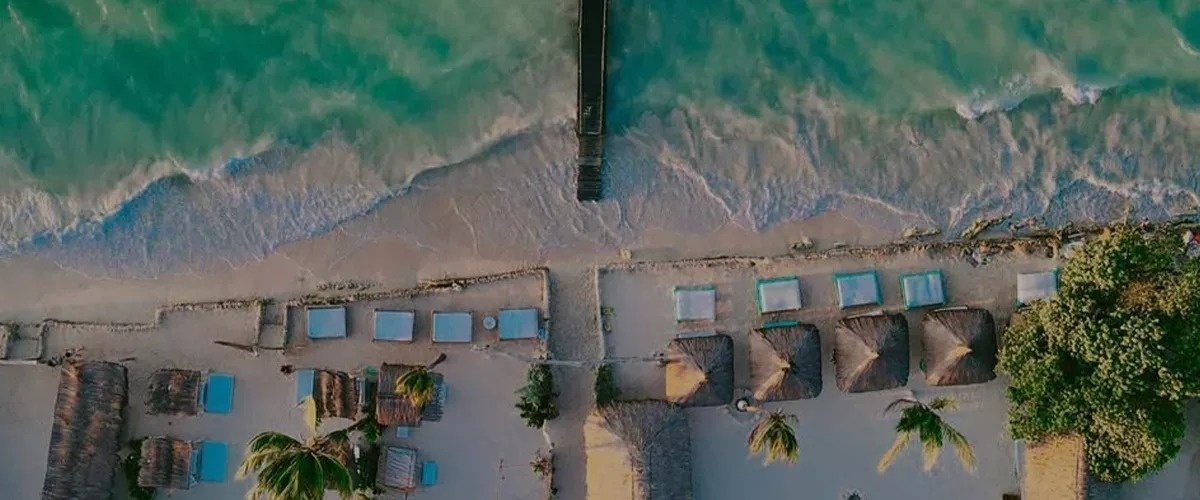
x,y
419,384
289,469
923,421
773,435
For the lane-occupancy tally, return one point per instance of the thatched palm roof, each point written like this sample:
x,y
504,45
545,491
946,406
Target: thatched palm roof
x,y
166,463
391,409
785,363
86,434
959,346
871,353
638,450
700,371
335,394
174,392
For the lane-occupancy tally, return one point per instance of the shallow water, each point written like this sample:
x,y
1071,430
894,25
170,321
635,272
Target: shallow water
x,y
119,119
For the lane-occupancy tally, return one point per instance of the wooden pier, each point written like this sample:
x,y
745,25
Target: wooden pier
x,y
593,28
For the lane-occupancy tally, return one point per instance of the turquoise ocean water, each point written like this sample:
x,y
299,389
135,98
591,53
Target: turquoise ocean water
x,y
252,123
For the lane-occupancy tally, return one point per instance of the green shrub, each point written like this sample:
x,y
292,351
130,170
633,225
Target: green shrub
x,y
606,386
536,401
131,466
1113,357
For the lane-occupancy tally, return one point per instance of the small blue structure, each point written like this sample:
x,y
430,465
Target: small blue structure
x,y
695,303
1034,286
923,289
218,393
304,383
519,324
326,322
214,459
778,294
429,473
452,327
395,326
858,289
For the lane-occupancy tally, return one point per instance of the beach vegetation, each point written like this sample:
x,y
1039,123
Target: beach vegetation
x,y
774,438
1113,357
419,385
536,400
606,386
923,423
131,466
285,467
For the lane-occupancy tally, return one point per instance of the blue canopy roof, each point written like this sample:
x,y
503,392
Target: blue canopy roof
x,y
394,325
451,327
326,322
214,457
518,324
857,289
218,393
923,289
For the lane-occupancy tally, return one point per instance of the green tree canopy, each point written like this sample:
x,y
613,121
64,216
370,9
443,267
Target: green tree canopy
x,y
1113,356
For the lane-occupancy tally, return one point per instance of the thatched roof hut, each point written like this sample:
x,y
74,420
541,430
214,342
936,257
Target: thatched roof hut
x,y
1057,469
166,463
391,409
174,392
700,370
86,435
785,362
638,450
871,353
959,346
335,394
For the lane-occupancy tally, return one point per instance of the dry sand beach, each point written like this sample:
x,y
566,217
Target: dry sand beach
x,y
482,445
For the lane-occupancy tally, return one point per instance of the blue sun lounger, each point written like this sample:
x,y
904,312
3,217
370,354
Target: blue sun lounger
x,y
429,473
218,393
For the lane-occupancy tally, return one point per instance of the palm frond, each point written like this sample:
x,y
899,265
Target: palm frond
x,y
943,403
885,462
963,449
774,437
418,385
899,402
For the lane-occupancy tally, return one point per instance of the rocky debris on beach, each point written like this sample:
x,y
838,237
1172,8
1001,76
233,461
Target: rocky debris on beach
x,y
916,233
982,224
803,244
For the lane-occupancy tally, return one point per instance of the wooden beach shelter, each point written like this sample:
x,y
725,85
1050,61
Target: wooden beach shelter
x,y
959,346
334,393
86,434
173,391
871,352
700,370
326,322
398,468
785,362
638,450
167,463
392,409
1057,469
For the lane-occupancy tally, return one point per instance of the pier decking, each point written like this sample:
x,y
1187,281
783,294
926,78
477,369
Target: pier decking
x,y
593,27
